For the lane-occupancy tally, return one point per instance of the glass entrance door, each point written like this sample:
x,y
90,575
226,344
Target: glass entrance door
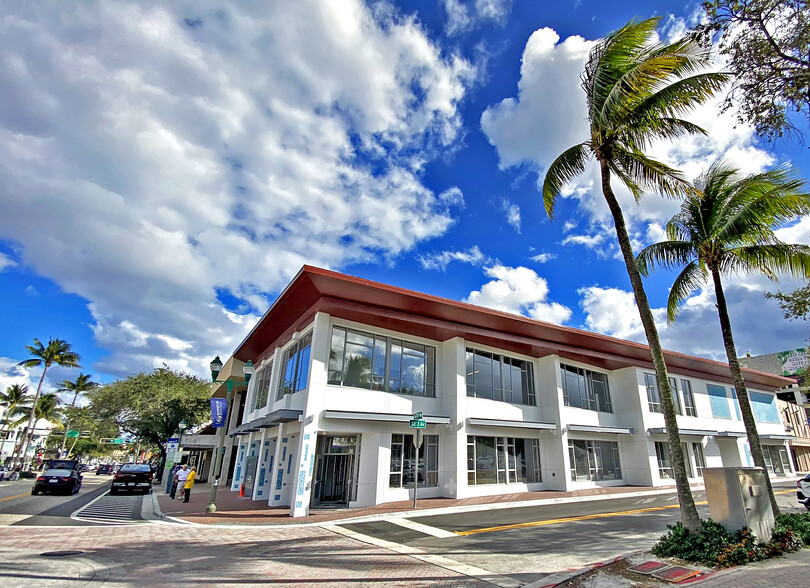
x,y
335,471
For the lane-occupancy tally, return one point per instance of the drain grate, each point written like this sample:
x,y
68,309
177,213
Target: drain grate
x,y
61,553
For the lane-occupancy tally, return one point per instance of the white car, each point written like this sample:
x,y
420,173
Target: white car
x,y
803,491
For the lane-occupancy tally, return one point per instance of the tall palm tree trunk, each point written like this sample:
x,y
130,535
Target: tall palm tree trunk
x,y
689,513
67,427
31,419
739,385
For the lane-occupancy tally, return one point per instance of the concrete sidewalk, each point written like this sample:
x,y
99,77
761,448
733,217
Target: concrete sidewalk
x,y
233,509
790,571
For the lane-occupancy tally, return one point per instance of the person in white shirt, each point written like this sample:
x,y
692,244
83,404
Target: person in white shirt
x,y
181,476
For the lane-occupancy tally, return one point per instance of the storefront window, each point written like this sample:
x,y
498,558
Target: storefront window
x,y
502,460
594,460
404,461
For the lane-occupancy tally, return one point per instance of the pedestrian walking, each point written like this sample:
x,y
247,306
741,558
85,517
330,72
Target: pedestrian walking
x,y
181,475
192,475
171,487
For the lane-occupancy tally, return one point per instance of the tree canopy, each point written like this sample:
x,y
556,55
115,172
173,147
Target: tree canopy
x,y
766,44
150,406
795,305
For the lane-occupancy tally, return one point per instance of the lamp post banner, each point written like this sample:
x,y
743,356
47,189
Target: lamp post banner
x,y
219,412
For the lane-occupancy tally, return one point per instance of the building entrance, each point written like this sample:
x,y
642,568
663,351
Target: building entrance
x,y
335,471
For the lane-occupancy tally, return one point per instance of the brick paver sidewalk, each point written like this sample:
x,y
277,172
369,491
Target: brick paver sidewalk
x,y
173,555
790,571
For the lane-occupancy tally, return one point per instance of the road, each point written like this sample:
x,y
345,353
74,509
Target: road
x,y
91,505
529,543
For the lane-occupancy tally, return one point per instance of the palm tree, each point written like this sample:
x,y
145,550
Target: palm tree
x,y
47,408
57,352
15,395
727,227
82,384
636,90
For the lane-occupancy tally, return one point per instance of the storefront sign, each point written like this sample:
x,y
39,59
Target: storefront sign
x,y
793,362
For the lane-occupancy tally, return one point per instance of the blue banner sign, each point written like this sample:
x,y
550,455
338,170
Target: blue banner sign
x,y
219,411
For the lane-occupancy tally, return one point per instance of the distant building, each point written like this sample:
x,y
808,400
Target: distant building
x,y
509,404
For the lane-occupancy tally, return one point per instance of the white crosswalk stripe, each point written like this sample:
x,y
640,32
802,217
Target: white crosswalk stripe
x,y
111,510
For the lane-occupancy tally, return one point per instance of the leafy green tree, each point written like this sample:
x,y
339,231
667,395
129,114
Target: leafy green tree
x,y
766,44
56,352
150,406
84,420
82,384
727,227
795,305
636,92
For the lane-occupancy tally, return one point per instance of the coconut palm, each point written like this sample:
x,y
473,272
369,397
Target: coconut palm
x,y
636,91
15,396
82,384
56,352
727,227
46,409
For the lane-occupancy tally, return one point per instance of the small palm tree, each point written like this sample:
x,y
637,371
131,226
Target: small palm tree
x,y
15,396
82,384
56,352
727,227
636,91
47,409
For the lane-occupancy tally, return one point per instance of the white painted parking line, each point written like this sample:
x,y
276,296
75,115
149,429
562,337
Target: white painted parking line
x,y
110,510
427,530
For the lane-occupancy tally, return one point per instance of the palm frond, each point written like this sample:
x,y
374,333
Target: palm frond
x,y
651,174
568,165
690,279
771,259
666,254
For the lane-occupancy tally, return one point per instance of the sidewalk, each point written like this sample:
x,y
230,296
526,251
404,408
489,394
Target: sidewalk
x,y
792,570
231,509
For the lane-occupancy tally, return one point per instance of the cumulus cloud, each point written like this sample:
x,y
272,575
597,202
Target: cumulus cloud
x,y
463,16
543,257
155,156
6,262
519,290
512,212
440,261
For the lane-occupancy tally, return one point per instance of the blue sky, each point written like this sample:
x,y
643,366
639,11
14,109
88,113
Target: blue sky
x,y
168,167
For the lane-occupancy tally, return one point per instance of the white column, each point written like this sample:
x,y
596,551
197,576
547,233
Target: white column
x,y
257,490
452,391
316,399
277,473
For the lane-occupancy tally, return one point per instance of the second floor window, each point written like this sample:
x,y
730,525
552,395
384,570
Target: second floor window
x,y
263,385
498,377
376,362
585,389
295,366
653,396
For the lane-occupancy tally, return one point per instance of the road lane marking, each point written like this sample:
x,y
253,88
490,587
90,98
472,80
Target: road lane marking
x,y
426,529
15,496
582,518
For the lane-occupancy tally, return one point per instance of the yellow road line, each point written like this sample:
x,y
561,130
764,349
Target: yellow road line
x,y
14,497
580,518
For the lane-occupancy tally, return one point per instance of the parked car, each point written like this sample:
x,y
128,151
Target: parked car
x,y
58,480
132,477
106,468
803,491
4,472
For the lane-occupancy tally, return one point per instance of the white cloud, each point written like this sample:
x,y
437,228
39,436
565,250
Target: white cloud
x,y
441,260
798,233
6,262
147,161
512,212
519,291
463,16
543,257
611,311
31,291
589,241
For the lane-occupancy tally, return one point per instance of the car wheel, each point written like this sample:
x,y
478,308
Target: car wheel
x,y
34,492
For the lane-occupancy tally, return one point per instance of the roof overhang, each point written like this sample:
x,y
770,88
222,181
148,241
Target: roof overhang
x,y
598,429
232,370
283,415
778,437
389,307
512,424
389,417
731,434
693,432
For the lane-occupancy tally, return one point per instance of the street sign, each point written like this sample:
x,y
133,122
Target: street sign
x,y
417,415
113,441
72,434
417,424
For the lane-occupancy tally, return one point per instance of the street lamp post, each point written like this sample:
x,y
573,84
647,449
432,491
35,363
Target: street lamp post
x,y
181,426
216,366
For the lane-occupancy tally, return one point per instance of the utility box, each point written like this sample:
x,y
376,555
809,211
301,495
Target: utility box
x,y
738,497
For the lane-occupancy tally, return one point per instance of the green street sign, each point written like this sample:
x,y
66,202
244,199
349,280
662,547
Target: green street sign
x,y
118,441
72,434
417,424
417,415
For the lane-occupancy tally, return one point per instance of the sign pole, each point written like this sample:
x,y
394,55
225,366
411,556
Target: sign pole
x,y
416,474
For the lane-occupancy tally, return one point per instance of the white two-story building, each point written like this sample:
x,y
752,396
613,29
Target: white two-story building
x,y
511,404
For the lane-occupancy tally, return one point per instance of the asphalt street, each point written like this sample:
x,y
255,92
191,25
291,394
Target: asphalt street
x,y
19,508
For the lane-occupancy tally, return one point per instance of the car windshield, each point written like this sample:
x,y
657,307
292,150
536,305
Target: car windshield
x,y
135,467
56,472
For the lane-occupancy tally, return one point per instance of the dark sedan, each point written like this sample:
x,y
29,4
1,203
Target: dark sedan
x,y
106,468
132,477
63,481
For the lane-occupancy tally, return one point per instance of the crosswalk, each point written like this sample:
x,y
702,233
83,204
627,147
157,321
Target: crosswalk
x,y
112,510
